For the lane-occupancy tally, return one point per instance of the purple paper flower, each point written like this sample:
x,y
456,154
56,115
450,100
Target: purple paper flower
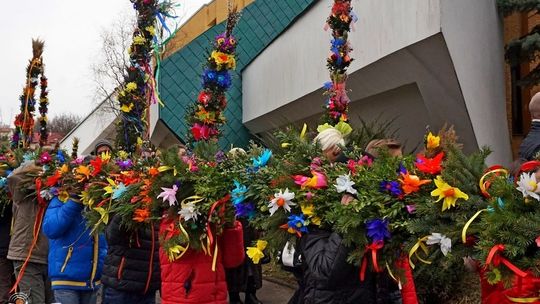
x,y
220,156
45,158
393,187
245,210
124,164
411,208
401,169
377,230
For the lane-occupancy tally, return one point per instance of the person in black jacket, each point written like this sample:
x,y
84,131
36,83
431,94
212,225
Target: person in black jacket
x,y
131,273
328,277
6,266
531,143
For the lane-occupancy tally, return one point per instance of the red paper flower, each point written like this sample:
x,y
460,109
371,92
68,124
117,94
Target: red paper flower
x,y
52,180
204,98
96,164
429,165
200,131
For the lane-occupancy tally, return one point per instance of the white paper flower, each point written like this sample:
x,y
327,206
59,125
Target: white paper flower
x,y
281,199
442,240
528,186
344,184
188,212
46,194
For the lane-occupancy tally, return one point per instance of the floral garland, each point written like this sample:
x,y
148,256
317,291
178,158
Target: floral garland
x,y
139,87
207,115
338,61
43,104
24,121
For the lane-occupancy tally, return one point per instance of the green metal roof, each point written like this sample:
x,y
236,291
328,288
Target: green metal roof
x,y
180,81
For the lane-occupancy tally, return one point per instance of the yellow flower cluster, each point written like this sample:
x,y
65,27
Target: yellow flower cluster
x,y
223,60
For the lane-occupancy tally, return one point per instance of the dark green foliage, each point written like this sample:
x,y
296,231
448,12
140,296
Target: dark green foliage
x,y
524,49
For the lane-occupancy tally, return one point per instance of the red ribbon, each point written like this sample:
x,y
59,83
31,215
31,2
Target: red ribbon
x,y
529,166
220,203
41,200
373,247
495,259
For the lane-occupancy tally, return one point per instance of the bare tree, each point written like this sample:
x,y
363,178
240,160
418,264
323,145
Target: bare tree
x,y
112,61
63,123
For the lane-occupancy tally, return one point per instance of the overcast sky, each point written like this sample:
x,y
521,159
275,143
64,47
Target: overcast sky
x,y
71,30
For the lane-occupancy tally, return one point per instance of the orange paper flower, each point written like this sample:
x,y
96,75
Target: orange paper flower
x,y
411,183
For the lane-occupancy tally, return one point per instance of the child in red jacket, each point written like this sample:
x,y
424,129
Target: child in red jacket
x,y
190,279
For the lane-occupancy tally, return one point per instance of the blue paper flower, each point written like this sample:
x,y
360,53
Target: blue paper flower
x,y
297,223
393,187
402,169
238,193
117,193
222,78
3,182
328,85
377,230
60,157
29,156
262,160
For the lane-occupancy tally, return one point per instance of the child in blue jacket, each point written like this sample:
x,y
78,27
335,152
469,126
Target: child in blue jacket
x,y
75,256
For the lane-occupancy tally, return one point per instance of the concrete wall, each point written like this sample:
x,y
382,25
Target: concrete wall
x,y
294,66
473,33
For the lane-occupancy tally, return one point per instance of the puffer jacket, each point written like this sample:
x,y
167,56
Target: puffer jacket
x,y
328,278
75,256
190,279
130,264
25,211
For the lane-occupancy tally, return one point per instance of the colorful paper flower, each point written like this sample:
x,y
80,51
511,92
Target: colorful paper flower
x,y
432,141
82,173
124,164
309,211
442,240
411,209
141,215
118,191
296,224
200,131
317,181
344,184
528,185
377,230
45,158
60,157
411,183
429,165
238,193
169,194
189,212
245,210
392,187
283,200
256,253
448,193
262,159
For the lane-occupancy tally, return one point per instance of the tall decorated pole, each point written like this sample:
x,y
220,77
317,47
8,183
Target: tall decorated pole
x,y
24,121
139,88
207,115
43,109
339,21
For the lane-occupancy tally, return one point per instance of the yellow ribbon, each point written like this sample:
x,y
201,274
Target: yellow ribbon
x,y
179,250
303,132
523,300
419,245
469,222
167,168
214,260
192,199
482,184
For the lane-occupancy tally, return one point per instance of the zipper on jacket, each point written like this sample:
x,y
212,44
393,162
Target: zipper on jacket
x,y
95,259
121,269
68,256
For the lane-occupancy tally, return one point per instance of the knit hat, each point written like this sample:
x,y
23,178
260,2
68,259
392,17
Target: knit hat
x,y
101,143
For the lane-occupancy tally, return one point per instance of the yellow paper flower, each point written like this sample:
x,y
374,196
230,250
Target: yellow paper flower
x,y
105,156
64,169
433,141
127,108
131,86
309,211
256,253
123,154
110,188
139,40
448,193
151,30
63,196
104,215
223,59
